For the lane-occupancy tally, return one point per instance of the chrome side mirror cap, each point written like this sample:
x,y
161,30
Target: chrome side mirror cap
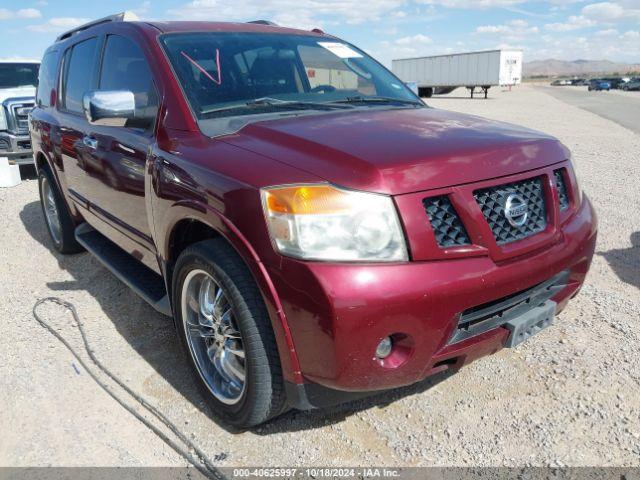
x,y
109,107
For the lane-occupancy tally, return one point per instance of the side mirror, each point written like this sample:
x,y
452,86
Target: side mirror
x,y
109,107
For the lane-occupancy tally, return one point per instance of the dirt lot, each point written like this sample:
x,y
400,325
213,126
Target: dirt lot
x,y
570,396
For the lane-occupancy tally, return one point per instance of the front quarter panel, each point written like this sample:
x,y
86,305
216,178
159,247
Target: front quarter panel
x,y
209,181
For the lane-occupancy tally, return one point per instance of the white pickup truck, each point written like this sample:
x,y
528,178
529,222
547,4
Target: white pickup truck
x,y
18,81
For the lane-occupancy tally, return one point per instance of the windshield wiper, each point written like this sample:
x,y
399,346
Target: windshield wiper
x,y
378,100
277,103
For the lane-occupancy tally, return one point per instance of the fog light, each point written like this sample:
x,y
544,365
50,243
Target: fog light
x,y
384,348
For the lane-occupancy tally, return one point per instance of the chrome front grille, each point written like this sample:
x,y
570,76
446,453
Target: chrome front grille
x,y
17,113
493,200
21,115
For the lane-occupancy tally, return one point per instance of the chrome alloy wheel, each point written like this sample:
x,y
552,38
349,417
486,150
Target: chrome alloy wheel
x,y
50,209
213,337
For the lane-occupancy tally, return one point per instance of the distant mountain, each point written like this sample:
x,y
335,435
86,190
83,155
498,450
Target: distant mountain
x,y
563,68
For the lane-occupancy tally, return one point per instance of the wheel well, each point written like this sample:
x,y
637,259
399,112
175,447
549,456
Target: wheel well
x,y
41,161
189,231
185,233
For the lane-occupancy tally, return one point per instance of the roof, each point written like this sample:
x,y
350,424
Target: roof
x,y
257,26
198,26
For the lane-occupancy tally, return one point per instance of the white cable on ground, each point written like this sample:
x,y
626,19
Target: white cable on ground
x,y
199,460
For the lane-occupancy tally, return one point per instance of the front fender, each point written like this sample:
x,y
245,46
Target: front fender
x,y
194,210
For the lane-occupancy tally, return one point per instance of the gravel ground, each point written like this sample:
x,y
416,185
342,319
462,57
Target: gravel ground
x,y
570,396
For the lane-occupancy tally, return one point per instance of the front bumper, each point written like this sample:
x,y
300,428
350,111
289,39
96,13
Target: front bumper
x,y
17,148
338,313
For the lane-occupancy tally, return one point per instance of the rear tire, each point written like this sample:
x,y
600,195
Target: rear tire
x,y
219,312
57,217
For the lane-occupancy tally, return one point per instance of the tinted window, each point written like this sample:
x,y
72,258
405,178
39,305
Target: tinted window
x,y
18,75
79,77
47,79
125,68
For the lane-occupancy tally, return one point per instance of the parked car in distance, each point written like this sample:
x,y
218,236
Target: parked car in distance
x,y
18,81
569,82
598,85
614,82
632,85
315,230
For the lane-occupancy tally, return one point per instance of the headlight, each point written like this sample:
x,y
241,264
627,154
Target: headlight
x,y
3,119
322,222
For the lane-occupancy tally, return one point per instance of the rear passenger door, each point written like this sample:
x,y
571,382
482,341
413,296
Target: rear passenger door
x,y
116,169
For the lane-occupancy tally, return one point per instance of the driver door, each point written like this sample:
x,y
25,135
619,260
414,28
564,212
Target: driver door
x,y
118,155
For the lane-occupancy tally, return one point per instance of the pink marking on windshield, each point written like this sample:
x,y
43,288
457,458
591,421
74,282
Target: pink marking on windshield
x,y
201,68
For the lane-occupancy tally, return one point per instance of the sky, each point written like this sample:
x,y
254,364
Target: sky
x,y
387,29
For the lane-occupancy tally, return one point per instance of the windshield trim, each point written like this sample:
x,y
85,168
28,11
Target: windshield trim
x,y
267,102
228,124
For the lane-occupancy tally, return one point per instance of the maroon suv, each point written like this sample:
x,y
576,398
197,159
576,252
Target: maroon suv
x,y
315,230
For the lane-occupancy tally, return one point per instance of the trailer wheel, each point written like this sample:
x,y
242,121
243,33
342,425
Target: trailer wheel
x,y
425,92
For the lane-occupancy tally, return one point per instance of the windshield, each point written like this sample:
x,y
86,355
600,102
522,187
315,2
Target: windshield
x,y
18,75
236,74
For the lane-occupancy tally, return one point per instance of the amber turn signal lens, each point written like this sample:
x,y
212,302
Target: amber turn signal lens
x,y
307,200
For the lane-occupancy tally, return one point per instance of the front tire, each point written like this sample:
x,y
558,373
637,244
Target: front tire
x,y
57,217
226,332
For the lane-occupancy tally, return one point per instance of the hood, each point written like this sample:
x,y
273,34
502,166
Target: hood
x,y
396,151
20,92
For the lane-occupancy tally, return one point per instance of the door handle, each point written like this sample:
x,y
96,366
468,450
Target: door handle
x,y
92,143
125,148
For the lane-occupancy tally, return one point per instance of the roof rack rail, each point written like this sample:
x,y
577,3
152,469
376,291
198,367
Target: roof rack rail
x,y
264,22
118,17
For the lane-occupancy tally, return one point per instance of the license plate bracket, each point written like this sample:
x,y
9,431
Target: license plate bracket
x,y
530,323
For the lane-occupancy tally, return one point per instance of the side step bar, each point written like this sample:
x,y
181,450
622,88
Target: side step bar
x,y
143,281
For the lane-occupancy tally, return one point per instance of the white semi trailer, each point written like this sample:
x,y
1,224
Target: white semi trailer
x,y
442,74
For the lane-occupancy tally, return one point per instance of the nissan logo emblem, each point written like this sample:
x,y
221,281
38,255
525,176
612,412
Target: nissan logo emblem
x,y
516,210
